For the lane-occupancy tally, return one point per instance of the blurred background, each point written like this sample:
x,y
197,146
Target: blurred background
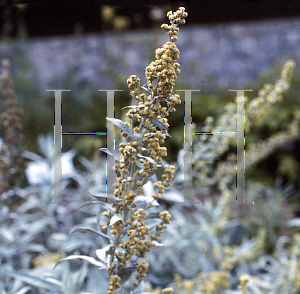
x,y
89,45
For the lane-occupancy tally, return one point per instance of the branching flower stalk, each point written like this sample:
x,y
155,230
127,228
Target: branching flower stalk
x,y
205,154
141,154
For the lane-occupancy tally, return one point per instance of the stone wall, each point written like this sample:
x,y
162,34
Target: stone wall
x,y
233,53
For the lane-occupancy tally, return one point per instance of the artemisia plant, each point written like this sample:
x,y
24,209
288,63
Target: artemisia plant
x,y
123,220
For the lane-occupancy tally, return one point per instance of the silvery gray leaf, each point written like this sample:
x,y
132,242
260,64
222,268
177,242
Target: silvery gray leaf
x,y
168,102
148,135
134,106
159,124
141,178
102,253
147,179
115,219
90,230
148,188
103,198
89,259
32,156
109,153
38,247
145,89
33,280
146,199
173,196
146,157
135,137
120,124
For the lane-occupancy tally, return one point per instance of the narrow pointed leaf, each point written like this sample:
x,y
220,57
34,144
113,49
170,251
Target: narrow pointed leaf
x,y
135,137
88,203
32,280
104,199
146,157
147,179
146,199
91,260
82,229
134,106
173,196
108,153
145,89
141,178
148,135
120,124
159,124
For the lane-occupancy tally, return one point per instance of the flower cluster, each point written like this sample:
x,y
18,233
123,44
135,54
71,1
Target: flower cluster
x,y
269,94
151,116
167,177
165,216
161,76
141,155
142,267
205,154
114,284
175,18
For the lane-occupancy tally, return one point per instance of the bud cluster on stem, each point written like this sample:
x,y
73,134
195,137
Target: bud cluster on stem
x,y
141,155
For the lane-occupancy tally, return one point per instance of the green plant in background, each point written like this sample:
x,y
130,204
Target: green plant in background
x,y
222,266
205,155
282,273
199,240
11,161
32,229
37,111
